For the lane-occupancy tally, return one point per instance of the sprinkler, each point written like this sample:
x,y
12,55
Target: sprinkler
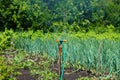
x,y
61,58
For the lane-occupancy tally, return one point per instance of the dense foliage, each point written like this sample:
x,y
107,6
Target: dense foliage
x,y
59,15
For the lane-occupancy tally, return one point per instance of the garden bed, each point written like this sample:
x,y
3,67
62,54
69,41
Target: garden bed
x,y
33,67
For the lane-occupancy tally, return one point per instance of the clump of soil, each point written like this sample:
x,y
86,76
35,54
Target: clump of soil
x,y
25,75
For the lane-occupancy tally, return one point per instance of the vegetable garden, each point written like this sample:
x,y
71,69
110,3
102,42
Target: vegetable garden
x,y
38,53
29,30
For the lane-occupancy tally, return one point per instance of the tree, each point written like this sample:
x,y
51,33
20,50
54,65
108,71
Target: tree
x,y
17,14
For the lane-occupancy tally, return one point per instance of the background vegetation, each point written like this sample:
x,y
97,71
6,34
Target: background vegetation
x,y
60,15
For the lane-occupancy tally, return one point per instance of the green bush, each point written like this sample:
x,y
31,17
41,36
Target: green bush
x,y
6,39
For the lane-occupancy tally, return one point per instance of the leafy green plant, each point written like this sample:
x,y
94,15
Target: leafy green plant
x,y
6,39
7,72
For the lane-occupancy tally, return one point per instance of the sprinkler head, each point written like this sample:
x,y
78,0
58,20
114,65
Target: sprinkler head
x,y
61,40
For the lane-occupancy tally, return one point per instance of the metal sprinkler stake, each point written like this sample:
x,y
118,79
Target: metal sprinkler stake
x,y
60,54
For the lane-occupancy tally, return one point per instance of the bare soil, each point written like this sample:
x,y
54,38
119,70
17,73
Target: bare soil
x,y
25,75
